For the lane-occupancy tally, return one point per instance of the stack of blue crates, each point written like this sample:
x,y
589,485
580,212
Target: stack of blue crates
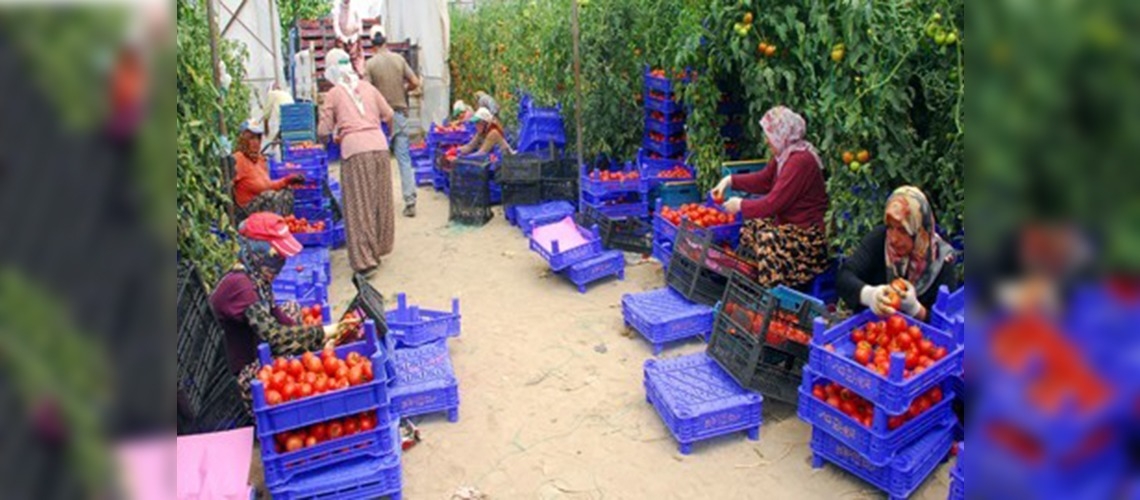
x,y
958,476
365,464
298,122
664,188
540,127
311,200
421,163
305,279
663,316
616,199
894,458
424,379
414,326
664,119
665,232
697,400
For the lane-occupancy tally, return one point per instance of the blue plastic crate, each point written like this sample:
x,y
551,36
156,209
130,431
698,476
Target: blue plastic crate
x,y
698,400
340,237
424,177
666,127
560,259
379,442
727,233
425,382
437,137
667,106
413,326
902,476
318,238
657,83
616,206
949,311
309,267
740,167
663,251
664,148
542,123
878,444
314,169
957,478
299,135
663,316
651,168
675,194
823,285
594,186
295,153
605,264
359,478
298,116
299,413
892,392
528,217
539,139
306,291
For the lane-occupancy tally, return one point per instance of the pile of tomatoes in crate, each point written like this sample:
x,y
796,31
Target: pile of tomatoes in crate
x,y
783,327
700,215
302,225
614,176
416,146
659,116
656,137
655,156
315,434
677,172
312,374
304,145
877,340
312,315
862,411
657,94
454,127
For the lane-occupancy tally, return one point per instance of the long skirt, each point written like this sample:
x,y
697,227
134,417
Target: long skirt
x,y
785,254
369,214
279,202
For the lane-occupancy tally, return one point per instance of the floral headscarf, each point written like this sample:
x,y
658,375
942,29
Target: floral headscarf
x,y
921,267
261,264
786,129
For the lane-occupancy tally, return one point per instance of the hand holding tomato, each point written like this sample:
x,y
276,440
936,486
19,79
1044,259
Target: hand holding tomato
x,y
721,187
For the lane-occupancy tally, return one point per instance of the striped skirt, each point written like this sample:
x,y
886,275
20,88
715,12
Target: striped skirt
x,y
369,213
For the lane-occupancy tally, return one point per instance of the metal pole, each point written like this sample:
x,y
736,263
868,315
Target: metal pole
x,y
213,23
577,77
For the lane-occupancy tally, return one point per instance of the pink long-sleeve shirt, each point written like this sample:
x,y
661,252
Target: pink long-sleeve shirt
x,y
797,195
356,133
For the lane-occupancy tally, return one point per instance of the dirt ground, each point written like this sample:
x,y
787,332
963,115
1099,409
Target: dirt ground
x,y
552,401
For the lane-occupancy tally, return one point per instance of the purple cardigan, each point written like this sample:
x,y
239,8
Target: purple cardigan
x,y
234,293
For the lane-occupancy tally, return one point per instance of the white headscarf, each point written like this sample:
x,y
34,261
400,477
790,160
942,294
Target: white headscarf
x,y
339,71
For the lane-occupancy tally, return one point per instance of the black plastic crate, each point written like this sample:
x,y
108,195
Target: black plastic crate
x,y
525,167
695,282
470,195
200,349
521,194
628,234
370,302
780,318
699,246
561,169
565,190
754,366
221,407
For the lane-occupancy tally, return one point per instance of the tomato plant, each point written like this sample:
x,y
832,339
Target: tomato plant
x,y
866,76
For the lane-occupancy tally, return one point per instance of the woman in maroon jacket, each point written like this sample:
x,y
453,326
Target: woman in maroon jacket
x,y
784,229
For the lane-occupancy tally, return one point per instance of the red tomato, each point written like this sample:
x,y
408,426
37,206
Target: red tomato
x,y
294,443
322,385
367,422
319,431
331,365
858,335
328,352
894,422
336,430
272,397
355,375
833,402
939,353
351,426
313,364
925,346
305,391
848,408
896,324
310,441
280,364
366,369
279,379
290,391
819,393
862,356
935,395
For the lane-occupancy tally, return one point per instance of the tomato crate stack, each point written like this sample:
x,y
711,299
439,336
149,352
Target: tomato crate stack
x,y
421,163
672,182
412,325
443,142
697,400
724,229
305,279
526,177
540,127
874,390
298,122
663,316
325,423
664,117
613,189
761,336
699,268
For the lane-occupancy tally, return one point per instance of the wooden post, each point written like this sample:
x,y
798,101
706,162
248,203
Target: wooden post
x,y
575,34
213,23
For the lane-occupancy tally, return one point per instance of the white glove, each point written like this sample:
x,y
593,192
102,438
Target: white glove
x,y
732,206
910,305
724,184
876,298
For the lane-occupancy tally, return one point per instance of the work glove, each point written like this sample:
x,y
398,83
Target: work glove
x,y
910,304
732,206
879,299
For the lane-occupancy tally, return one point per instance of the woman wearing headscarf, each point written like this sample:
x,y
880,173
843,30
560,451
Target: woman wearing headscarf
x,y
488,135
783,230
905,247
244,306
352,111
461,112
484,100
348,27
253,190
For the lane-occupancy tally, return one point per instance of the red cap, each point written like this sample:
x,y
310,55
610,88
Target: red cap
x,y
271,228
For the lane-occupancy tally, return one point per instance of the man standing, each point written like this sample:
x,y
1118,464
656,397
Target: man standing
x,y
391,75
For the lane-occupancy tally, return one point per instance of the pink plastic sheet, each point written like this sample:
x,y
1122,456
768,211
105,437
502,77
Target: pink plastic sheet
x,y
564,231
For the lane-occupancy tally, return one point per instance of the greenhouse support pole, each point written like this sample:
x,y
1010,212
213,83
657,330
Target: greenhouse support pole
x,y
213,23
575,34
